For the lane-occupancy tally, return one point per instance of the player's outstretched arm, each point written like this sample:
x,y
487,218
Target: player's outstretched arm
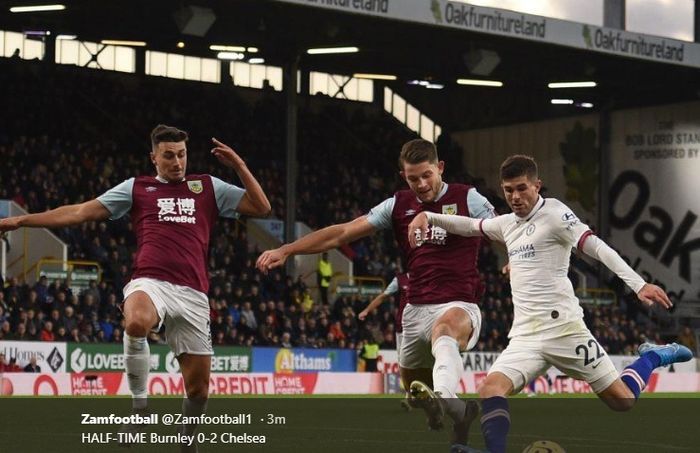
x,y
319,241
63,216
254,202
377,301
456,224
647,293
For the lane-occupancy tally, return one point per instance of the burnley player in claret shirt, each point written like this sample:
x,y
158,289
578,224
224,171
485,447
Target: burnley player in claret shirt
x,y
441,317
173,214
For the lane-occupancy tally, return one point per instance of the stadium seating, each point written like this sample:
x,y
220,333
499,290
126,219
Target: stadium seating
x,y
56,153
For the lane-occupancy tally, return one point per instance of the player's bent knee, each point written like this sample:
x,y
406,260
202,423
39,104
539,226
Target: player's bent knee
x,y
490,390
496,384
460,333
443,329
140,315
135,329
137,326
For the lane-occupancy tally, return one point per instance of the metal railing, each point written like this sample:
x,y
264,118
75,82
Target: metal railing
x,y
69,270
363,284
596,296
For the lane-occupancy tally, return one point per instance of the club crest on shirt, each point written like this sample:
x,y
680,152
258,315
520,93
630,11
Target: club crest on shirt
x,y
195,186
450,209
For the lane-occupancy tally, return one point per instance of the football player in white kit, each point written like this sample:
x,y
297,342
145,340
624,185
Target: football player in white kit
x,y
548,328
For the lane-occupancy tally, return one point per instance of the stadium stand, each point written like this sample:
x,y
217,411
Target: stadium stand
x,y
92,126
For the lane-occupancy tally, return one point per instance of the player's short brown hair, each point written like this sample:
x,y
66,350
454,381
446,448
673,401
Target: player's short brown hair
x,y
163,133
418,151
519,165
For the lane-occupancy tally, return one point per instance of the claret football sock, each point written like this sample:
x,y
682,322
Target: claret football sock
x,y
137,356
446,374
495,423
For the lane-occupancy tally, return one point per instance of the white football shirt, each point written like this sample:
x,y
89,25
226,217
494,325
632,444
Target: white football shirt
x,y
539,247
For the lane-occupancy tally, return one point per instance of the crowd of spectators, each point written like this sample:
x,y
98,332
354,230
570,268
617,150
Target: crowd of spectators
x,y
81,132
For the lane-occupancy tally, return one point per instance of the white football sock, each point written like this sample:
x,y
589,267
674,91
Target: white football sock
x,y
137,355
446,374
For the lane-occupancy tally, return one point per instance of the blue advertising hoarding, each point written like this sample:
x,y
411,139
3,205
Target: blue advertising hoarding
x,y
282,360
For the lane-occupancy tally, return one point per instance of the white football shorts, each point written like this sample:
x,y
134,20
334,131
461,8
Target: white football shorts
x,y
184,312
575,352
418,322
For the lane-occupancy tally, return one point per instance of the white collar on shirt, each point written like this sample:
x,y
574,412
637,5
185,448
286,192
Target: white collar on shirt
x,y
442,192
537,207
165,181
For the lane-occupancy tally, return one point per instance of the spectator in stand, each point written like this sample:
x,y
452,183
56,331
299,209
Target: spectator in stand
x,y
248,315
20,334
87,333
286,340
11,289
32,332
106,327
687,338
324,274
74,336
61,334
5,330
337,331
110,308
220,338
32,367
369,352
31,301
47,332
8,366
55,318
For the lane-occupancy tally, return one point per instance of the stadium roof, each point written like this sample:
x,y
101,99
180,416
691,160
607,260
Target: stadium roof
x,y
408,50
